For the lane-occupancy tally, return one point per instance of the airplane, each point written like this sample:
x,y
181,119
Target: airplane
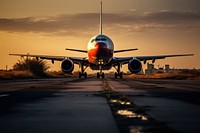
x,y
100,50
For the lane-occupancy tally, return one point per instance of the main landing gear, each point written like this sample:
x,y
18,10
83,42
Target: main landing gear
x,y
82,73
118,73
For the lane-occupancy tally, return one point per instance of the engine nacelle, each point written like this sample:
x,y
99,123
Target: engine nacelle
x,y
67,66
135,66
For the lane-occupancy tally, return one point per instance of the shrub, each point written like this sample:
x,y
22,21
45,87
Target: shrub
x,y
36,67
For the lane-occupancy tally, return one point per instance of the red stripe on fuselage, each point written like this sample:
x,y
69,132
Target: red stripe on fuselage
x,y
100,51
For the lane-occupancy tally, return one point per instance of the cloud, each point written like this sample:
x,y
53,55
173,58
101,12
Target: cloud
x,y
60,24
162,20
166,15
87,23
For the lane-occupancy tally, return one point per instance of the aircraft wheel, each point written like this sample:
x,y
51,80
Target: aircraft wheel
x,y
85,75
121,75
115,75
103,75
79,74
98,75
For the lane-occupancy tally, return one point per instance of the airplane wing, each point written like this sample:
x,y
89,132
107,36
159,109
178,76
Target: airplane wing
x,y
76,60
77,50
124,50
125,60
143,58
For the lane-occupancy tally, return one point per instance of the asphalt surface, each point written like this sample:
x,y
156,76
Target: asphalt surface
x,y
173,102
75,105
60,106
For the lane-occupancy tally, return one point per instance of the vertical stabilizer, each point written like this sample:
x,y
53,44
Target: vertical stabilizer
x,y
100,30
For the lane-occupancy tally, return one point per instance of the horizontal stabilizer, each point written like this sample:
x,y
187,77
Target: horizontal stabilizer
x,y
124,50
77,50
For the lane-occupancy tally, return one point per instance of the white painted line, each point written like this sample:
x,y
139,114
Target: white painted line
x,y
4,95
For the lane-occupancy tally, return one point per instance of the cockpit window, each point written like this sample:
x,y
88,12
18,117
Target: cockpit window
x,y
100,39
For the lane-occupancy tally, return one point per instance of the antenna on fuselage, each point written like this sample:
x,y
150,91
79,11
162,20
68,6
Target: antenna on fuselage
x,y
101,19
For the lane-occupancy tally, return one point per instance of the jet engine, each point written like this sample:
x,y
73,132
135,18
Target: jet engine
x,y
67,66
134,66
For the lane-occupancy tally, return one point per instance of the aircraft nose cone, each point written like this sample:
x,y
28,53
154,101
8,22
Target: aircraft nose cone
x,y
100,45
102,49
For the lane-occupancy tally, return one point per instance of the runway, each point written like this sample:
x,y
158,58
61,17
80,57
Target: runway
x,y
108,105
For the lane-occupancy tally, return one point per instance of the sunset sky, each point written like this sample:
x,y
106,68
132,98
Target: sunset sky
x,y
49,26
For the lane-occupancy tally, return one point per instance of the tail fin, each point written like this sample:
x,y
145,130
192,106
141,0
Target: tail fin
x,y
100,30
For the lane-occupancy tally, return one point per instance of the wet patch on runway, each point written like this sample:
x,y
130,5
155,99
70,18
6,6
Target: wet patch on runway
x,y
4,95
130,117
10,101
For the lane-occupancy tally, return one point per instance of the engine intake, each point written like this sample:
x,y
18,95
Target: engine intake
x,y
135,66
67,66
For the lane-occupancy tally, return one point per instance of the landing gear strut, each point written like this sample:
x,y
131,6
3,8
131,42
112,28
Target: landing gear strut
x,y
118,73
100,74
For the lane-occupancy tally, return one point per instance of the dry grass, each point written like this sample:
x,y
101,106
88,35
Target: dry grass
x,y
15,74
57,74
165,76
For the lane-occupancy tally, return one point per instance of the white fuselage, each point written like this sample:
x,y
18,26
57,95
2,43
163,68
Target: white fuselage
x,y
100,50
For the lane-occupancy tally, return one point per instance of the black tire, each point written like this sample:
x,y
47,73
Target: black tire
x,y
115,75
103,75
121,75
79,74
85,75
98,75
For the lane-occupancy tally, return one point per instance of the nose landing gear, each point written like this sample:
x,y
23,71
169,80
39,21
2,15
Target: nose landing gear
x,y
100,74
